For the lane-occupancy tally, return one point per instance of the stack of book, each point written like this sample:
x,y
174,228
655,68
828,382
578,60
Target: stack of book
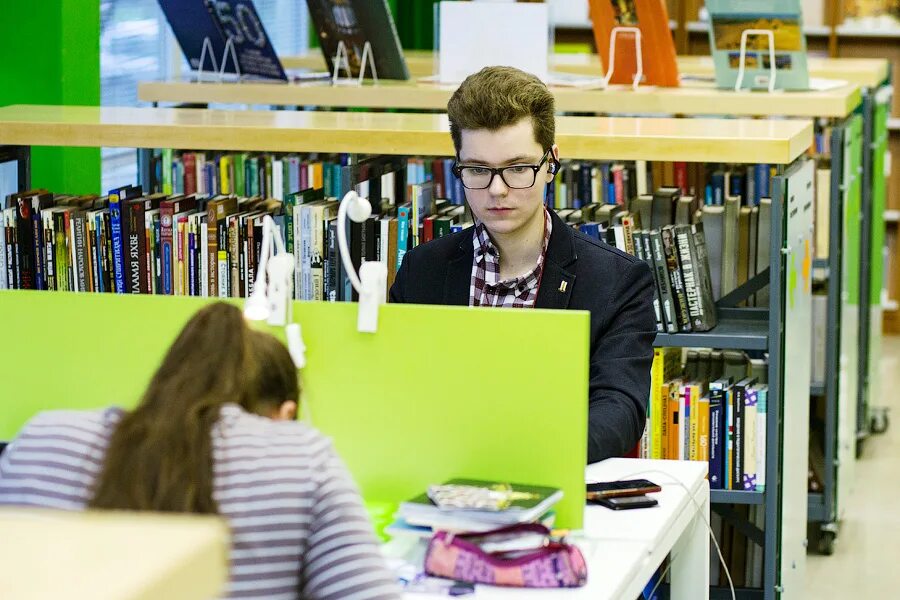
x,y
431,511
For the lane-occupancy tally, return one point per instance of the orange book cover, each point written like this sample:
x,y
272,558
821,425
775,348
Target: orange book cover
x,y
657,46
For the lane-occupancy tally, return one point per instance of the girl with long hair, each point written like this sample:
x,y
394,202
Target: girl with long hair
x,y
214,433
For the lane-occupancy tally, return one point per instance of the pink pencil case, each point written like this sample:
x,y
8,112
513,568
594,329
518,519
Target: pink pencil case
x,y
459,556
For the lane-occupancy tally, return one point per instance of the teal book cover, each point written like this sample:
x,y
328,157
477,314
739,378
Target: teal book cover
x,y
730,18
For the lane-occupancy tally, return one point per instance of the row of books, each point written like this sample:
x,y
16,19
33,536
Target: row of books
x,y
698,254
580,183
710,408
276,176
128,242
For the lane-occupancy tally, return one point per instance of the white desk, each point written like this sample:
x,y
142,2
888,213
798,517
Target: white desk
x,y
624,549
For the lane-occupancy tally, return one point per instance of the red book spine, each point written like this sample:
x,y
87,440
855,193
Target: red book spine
x,y
681,177
190,173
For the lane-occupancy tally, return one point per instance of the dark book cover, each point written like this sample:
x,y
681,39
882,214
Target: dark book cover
x,y
673,265
670,321
692,247
642,241
332,257
356,22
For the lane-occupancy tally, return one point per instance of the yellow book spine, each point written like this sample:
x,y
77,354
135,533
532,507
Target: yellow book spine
x,y
703,426
179,290
317,176
662,399
694,432
225,174
655,404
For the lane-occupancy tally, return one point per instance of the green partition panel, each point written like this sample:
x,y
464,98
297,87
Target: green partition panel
x,y
438,392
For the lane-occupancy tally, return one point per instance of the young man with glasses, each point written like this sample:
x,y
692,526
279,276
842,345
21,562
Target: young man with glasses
x,y
521,255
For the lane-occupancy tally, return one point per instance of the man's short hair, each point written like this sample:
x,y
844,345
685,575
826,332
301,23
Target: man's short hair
x,y
496,97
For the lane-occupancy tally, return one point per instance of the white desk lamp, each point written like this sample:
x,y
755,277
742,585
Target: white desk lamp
x,y
371,284
272,302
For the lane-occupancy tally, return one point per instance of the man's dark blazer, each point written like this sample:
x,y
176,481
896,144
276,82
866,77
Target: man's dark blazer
x,y
616,288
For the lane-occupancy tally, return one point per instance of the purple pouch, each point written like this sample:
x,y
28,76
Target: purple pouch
x,y
460,557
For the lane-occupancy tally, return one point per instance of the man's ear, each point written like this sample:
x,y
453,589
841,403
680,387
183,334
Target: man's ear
x,y
287,411
554,163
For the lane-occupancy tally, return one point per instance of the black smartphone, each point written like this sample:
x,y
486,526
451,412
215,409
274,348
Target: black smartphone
x,y
616,489
626,502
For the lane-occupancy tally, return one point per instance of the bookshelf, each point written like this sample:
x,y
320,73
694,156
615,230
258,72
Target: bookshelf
x,y
782,330
692,98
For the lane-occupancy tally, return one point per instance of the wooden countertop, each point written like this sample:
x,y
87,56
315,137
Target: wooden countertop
x,y
589,138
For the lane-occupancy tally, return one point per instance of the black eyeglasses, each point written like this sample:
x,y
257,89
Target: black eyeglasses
x,y
516,177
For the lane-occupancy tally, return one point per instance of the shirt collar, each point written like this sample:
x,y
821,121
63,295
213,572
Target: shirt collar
x,y
486,250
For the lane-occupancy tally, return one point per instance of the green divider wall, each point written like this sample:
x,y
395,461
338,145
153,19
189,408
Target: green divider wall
x,y
51,55
438,392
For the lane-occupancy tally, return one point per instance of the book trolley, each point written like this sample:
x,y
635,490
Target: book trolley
x,y
782,330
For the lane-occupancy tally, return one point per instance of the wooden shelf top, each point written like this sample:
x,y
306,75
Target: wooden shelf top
x,y
868,72
589,138
692,98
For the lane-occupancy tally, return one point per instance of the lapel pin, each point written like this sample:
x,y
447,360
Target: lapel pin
x,y
563,286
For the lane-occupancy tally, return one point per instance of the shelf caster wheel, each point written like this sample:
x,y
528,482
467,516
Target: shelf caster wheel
x,y
826,542
880,421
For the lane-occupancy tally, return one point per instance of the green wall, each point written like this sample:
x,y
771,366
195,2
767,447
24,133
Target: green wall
x,y
51,55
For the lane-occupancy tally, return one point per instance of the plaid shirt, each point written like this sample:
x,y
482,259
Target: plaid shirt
x,y
486,289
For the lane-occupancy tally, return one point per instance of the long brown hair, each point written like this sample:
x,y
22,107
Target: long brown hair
x,y
160,455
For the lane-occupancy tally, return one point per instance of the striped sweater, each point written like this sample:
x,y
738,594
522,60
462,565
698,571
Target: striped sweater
x,y
299,529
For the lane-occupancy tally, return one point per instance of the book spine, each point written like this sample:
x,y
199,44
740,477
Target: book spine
x,y
212,249
234,256
48,250
204,260
643,239
61,223
96,252
654,424
150,253
25,245
317,251
694,433
750,404
402,233
306,288
737,467
670,321
222,266
707,318
118,242
81,258
136,279
703,428
691,287
191,259
224,284
4,255
761,410
679,299
728,482
716,439
40,254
